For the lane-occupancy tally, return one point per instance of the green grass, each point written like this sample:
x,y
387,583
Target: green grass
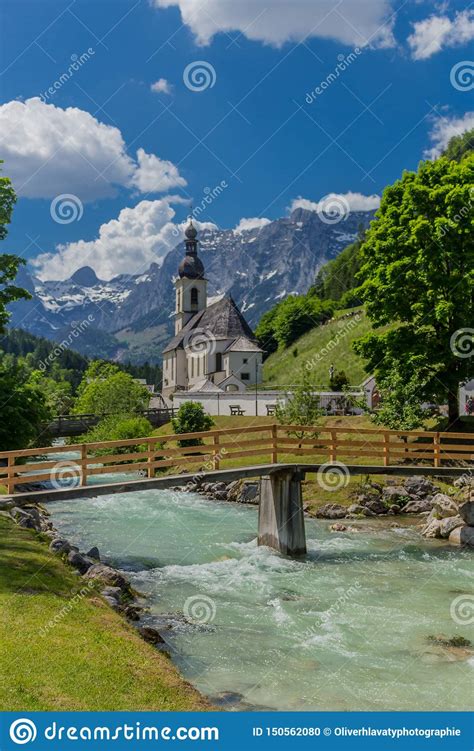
x,y
90,659
322,346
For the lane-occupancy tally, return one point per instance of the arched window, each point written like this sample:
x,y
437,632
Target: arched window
x,y
194,297
218,361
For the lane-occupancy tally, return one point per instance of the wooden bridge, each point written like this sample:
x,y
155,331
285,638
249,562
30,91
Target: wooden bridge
x,y
67,426
282,455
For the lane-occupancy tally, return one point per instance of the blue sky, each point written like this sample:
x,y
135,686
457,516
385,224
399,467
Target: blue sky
x,y
269,118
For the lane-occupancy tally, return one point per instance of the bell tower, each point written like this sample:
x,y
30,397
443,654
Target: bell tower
x,y
191,286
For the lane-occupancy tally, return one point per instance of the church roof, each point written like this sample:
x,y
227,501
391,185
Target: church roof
x,y
222,320
204,385
243,344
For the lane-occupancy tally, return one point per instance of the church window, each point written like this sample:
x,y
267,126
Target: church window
x,y
218,361
245,376
194,297
192,367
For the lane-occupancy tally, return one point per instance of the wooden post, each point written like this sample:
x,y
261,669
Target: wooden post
x,y
274,444
84,464
216,460
333,448
10,474
437,450
151,459
386,449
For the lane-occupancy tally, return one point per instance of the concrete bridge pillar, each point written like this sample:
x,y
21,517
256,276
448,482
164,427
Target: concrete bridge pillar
x,y
280,513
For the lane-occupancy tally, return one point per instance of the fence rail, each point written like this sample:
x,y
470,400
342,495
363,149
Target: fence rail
x,y
219,447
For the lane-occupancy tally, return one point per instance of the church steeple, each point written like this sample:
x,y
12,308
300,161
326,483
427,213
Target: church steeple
x,y
191,285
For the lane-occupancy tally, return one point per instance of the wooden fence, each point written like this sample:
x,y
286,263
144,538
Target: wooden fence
x,y
283,443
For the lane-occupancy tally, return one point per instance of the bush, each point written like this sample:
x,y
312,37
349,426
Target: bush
x,y
191,418
339,381
118,428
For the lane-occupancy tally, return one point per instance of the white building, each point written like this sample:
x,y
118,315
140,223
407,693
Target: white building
x,y
213,344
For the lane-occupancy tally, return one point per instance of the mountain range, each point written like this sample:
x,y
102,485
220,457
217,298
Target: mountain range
x,y
129,317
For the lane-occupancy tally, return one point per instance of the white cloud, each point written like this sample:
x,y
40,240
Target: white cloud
x,y
49,150
155,175
352,22
162,86
444,128
355,202
253,223
126,245
436,32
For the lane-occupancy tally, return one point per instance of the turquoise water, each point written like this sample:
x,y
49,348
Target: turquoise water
x,y
344,628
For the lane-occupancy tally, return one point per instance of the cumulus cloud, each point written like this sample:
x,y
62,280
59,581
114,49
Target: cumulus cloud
x,y
444,128
49,150
162,86
278,21
355,202
437,32
252,223
126,245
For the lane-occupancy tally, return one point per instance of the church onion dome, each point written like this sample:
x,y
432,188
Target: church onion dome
x,y
191,267
191,231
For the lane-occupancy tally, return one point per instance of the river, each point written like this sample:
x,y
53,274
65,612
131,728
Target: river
x,y
344,628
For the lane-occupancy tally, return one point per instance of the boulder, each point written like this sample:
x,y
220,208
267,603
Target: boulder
x,y
220,495
6,505
107,575
356,508
467,513
462,536
419,485
220,486
332,511
395,494
232,485
112,602
432,529
27,517
447,525
114,592
444,506
377,506
58,545
151,635
132,612
249,493
79,561
394,509
417,507
338,527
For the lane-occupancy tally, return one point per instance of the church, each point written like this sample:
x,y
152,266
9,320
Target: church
x,y
214,348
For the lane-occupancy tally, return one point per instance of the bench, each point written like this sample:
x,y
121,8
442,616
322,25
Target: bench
x,y
235,409
271,408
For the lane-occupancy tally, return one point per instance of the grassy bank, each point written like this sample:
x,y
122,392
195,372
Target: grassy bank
x,y
60,653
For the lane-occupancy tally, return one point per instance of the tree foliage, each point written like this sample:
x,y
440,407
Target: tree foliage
x,y
290,319
24,408
337,279
418,271
400,407
302,407
118,428
460,146
191,418
104,389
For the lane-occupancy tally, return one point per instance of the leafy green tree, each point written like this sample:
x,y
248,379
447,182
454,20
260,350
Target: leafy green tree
x,y
337,279
118,428
418,271
339,381
302,407
290,319
460,146
191,418
400,406
24,409
110,392
9,263
57,393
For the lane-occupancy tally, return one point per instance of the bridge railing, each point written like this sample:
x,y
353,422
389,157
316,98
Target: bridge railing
x,y
258,444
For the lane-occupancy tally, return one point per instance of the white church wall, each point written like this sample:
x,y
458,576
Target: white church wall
x,y
244,364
